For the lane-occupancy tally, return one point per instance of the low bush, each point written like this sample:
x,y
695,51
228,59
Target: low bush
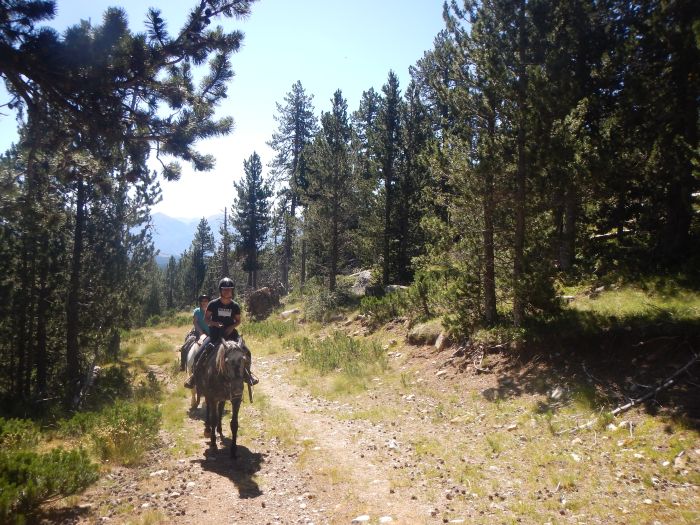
x,y
125,432
423,300
28,479
321,303
113,382
18,434
149,389
381,310
120,433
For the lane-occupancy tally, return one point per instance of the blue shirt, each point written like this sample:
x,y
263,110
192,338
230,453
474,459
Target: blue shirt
x,y
199,319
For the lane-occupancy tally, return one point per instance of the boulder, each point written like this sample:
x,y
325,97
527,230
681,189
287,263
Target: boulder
x,y
394,288
425,333
261,302
289,313
362,280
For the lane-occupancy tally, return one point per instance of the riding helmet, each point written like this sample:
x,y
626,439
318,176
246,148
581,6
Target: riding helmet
x,y
225,283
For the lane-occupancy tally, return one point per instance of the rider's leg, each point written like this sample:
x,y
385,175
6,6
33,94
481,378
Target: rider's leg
x,y
199,358
252,379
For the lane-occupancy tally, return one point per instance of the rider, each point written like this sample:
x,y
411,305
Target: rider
x,y
223,315
198,316
200,327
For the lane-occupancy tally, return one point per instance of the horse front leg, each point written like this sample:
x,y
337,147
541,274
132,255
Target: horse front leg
x,y
220,413
235,407
210,423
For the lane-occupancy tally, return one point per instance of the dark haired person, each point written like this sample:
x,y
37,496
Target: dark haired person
x,y
198,316
199,327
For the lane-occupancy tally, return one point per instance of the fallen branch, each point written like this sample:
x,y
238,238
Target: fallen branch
x,y
667,383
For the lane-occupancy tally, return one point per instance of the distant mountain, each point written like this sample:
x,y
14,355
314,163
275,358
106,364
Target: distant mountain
x,y
173,236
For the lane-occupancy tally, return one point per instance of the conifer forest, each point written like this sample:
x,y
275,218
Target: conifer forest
x,y
538,142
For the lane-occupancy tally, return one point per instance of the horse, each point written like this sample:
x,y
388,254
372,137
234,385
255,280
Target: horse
x,y
194,348
222,378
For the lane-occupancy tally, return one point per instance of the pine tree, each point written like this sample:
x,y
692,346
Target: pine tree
x,y
388,154
297,126
201,250
331,191
252,215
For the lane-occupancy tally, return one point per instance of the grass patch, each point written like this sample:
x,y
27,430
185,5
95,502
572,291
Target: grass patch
x,y
277,423
342,353
155,346
269,328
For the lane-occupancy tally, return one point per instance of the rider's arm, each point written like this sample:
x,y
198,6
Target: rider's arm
x,y
236,321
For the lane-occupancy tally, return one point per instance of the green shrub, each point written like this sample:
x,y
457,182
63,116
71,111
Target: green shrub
x,y
18,434
120,433
341,352
150,389
114,382
28,479
381,310
321,303
77,426
125,431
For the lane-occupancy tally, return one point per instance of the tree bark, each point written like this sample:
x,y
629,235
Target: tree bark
x,y
520,179
567,246
388,193
72,305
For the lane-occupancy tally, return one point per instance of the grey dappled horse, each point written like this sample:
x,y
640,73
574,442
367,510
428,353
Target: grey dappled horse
x,y
221,379
194,348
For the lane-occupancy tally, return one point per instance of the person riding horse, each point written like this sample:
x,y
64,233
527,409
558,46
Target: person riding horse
x,y
222,317
199,327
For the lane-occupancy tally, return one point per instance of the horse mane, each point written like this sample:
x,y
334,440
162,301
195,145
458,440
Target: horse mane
x,y
224,347
221,358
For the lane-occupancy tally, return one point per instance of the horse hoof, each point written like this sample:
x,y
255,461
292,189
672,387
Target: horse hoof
x,y
207,433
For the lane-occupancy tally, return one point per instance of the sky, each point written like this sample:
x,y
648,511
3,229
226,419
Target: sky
x,y
325,44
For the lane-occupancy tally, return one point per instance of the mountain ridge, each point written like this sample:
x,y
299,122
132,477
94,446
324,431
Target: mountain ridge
x,y
172,236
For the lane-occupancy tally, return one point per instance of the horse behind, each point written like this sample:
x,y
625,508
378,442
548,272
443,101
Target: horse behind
x,y
194,348
222,379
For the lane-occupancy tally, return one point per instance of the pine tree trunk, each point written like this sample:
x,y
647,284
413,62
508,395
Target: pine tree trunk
x,y
520,178
403,262
387,227
489,278
43,308
334,246
302,277
225,247
567,247
72,305
675,239
288,233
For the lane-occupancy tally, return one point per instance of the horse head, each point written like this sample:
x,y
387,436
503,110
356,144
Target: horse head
x,y
231,359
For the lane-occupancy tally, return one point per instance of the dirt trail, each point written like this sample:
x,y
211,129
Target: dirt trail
x,y
337,469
